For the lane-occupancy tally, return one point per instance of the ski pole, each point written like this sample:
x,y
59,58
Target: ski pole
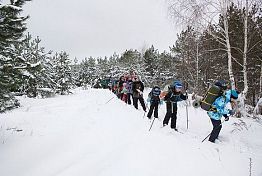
x,y
153,119
212,130
186,87
144,114
110,100
152,123
186,115
145,111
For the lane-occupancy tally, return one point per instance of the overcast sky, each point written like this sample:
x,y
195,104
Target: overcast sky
x,y
86,28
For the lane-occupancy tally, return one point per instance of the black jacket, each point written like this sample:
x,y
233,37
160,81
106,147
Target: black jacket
x,y
175,97
137,85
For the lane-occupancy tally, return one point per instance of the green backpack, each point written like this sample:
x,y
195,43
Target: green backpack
x,y
212,94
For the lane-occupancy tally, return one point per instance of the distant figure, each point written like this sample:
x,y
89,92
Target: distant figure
x,y
129,90
120,87
138,88
124,92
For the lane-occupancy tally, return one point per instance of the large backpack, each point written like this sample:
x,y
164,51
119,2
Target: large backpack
x,y
156,91
212,94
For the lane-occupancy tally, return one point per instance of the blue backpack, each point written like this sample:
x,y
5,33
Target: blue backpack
x,y
156,91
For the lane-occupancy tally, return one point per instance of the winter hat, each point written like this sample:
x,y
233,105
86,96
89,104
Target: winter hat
x,y
156,91
156,88
178,85
234,94
222,84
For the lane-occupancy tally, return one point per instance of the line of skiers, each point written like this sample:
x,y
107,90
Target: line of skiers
x,y
131,87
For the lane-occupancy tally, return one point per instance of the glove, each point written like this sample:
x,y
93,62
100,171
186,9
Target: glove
x,y
226,117
186,94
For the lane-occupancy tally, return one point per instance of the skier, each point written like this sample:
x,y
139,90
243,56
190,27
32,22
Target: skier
x,y
220,109
173,96
120,87
124,92
115,87
129,90
154,99
138,88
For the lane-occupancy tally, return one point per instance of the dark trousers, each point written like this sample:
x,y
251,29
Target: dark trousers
x,y
141,100
120,96
153,107
216,130
129,95
171,112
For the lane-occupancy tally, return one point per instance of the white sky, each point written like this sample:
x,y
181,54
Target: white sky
x,y
86,28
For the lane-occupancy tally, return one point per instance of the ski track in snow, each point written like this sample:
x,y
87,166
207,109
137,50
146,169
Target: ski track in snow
x,y
81,134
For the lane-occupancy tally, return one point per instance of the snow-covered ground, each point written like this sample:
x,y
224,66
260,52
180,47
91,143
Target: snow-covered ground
x,y
83,135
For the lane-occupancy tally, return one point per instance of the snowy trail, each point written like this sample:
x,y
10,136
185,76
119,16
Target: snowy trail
x,y
81,134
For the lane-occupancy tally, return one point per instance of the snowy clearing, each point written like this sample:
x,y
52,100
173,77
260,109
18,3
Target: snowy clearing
x,y
80,134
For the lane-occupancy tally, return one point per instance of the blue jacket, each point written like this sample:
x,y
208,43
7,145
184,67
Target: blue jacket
x,y
220,105
129,86
154,95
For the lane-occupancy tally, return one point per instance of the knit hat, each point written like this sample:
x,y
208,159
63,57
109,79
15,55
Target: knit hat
x,y
178,85
222,84
234,94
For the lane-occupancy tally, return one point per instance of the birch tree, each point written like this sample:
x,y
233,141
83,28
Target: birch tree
x,y
187,58
249,4
203,14
260,82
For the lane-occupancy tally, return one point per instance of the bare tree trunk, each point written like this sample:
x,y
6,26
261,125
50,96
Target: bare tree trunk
x,y
245,53
230,70
197,69
241,110
260,83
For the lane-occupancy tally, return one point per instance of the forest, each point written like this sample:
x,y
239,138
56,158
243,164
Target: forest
x,y
228,50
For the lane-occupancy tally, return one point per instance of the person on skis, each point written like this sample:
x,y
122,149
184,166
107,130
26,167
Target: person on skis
x,y
154,100
138,88
124,92
219,110
120,87
129,90
172,97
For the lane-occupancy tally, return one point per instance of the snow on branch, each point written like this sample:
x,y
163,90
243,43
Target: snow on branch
x,y
11,6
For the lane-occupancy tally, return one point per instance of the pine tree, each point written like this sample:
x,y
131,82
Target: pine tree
x,y
12,27
75,72
63,74
36,78
151,60
187,59
166,69
87,71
